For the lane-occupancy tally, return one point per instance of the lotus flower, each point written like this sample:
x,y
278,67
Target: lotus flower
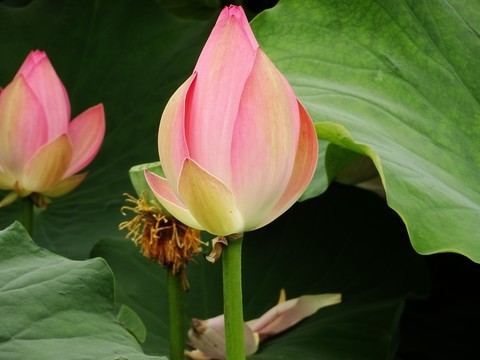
x,y
236,146
40,149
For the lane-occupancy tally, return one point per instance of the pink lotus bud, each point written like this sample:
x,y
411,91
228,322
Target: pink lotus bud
x,y
236,146
40,148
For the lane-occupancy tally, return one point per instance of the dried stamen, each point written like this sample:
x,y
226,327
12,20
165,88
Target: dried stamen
x,y
161,238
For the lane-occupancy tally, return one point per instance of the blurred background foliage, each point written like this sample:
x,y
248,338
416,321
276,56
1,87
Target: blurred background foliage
x,y
131,56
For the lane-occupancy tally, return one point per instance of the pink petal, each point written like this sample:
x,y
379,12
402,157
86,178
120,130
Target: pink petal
x,y
264,142
305,164
33,58
286,314
22,125
197,355
213,100
47,167
239,14
171,134
169,200
11,197
86,134
208,336
45,83
209,200
65,185
7,180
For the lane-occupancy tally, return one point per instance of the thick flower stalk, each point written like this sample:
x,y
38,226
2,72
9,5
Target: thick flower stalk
x,y
41,150
172,244
236,146
167,241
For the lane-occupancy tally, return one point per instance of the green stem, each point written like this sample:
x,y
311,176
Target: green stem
x,y
232,299
175,312
27,214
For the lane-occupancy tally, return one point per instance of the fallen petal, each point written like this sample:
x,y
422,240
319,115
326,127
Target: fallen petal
x,y
289,313
208,336
197,355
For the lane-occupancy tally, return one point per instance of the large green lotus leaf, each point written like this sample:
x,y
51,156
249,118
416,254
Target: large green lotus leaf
x,y
55,308
365,257
397,81
129,55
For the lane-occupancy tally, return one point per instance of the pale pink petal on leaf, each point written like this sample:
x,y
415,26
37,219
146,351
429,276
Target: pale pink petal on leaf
x,y
171,135
86,134
197,355
213,100
47,167
304,168
45,83
287,314
169,200
209,200
208,336
22,126
65,185
265,141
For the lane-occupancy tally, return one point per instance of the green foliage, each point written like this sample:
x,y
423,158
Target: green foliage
x,y
395,81
132,322
306,251
131,57
55,308
399,80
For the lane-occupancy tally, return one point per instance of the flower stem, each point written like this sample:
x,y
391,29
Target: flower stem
x,y
176,312
27,214
232,299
